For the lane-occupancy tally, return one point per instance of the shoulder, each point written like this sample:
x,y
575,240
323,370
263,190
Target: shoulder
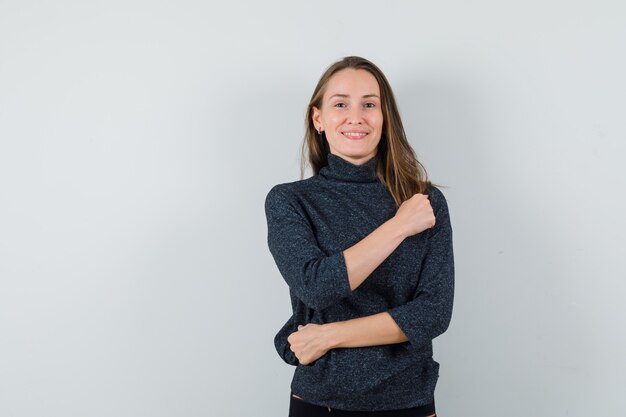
x,y
440,208
278,194
288,192
437,198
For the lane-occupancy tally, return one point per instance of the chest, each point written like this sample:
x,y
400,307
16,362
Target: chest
x,y
343,217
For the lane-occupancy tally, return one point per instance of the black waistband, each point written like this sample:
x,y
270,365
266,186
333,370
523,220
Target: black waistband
x,y
301,408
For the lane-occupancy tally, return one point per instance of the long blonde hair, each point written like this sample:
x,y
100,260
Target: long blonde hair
x,y
398,168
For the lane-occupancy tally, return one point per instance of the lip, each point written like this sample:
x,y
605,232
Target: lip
x,y
354,131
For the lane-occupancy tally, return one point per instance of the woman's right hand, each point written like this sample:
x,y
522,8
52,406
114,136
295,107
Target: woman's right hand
x,y
415,215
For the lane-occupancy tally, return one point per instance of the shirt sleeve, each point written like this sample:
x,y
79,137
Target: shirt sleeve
x,y
282,345
429,312
318,279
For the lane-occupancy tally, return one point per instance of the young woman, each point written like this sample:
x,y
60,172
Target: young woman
x,y
365,245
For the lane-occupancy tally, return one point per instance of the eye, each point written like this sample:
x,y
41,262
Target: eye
x,y
370,105
339,104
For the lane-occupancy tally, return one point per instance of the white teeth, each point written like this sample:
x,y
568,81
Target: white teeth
x,y
355,135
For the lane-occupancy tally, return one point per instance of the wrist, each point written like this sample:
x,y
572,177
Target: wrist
x,y
333,335
398,228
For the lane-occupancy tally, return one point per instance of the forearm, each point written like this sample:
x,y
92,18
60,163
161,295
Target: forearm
x,y
374,330
365,256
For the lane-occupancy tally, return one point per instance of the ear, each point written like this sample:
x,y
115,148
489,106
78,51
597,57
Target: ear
x,y
316,116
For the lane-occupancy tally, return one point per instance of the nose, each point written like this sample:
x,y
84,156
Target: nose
x,y
355,116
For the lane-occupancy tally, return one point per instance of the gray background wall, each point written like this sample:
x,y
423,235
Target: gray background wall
x,y
138,140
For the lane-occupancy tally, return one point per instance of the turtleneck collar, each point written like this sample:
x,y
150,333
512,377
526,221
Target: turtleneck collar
x,y
340,169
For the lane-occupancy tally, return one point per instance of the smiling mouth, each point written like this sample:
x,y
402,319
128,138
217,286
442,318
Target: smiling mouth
x,y
354,135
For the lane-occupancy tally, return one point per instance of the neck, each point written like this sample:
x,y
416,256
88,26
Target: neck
x,y
340,169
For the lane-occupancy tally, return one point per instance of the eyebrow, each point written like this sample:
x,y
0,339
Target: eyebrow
x,y
346,95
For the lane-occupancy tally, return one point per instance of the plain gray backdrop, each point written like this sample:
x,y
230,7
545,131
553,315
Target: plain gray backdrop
x,y
138,140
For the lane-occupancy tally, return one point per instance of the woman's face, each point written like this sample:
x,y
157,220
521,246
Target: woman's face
x,y
351,115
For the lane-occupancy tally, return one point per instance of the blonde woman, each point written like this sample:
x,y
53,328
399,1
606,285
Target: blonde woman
x,y
365,246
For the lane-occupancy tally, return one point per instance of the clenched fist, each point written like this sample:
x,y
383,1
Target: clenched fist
x,y
415,215
310,342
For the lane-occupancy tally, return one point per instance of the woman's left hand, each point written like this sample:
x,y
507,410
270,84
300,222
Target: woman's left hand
x,y
310,342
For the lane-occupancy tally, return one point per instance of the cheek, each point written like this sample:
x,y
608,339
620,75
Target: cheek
x,y
378,120
334,119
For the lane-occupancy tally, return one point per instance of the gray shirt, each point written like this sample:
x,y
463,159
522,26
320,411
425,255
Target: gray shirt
x,y
310,222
